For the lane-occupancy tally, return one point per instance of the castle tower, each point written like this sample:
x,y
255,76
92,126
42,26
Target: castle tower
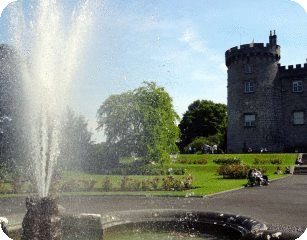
x,y
254,97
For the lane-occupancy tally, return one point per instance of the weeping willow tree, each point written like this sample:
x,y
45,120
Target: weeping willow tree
x,y
141,121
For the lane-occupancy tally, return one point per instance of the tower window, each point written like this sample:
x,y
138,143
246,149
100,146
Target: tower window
x,y
249,87
298,118
297,86
249,120
248,68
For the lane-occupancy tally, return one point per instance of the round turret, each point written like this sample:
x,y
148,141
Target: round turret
x,y
252,50
253,99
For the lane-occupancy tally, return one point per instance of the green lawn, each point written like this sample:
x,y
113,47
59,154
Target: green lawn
x,y
206,181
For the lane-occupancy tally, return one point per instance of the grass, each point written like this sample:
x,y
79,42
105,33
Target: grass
x,y
206,181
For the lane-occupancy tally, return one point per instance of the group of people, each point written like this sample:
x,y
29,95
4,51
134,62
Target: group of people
x,y
299,161
255,177
207,149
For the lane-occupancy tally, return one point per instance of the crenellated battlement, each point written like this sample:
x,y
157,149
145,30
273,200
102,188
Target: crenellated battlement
x,y
252,50
292,69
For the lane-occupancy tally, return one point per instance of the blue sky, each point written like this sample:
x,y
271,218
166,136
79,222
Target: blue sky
x,y
180,44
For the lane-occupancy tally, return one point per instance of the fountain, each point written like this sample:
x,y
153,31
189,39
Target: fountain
x,y
48,49
48,60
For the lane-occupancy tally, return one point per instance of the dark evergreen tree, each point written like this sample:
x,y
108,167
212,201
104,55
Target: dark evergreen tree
x,y
203,119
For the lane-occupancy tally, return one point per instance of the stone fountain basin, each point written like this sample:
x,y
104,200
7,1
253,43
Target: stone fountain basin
x,y
94,227
185,221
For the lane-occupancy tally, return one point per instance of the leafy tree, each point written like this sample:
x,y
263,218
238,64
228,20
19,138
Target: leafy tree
x,y
11,108
76,144
203,119
142,121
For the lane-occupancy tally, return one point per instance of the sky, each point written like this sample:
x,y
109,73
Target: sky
x,y
179,44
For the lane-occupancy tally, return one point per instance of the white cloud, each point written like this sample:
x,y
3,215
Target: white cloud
x,y
190,37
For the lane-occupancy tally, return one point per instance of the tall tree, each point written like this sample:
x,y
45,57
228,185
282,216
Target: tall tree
x,y
202,119
142,121
75,146
11,109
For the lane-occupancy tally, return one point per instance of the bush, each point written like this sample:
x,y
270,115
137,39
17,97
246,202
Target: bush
x,y
227,161
146,185
134,184
155,183
187,181
70,185
2,187
176,171
17,185
88,184
276,161
125,183
148,170
190,161
107,184
172,184
233,171
201,161
258,161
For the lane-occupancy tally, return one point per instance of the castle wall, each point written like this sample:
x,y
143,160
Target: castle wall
x,y
295,134
277,103
264,102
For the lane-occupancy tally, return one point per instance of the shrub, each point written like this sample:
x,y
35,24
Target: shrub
x,y
146,185
227,161
171,184
88,184
233,171
183,160
148,170
201,161
276,161
125,183
155,183
17,185
70,185
2,187
187,181
107,184
176,171
258,161
136,185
